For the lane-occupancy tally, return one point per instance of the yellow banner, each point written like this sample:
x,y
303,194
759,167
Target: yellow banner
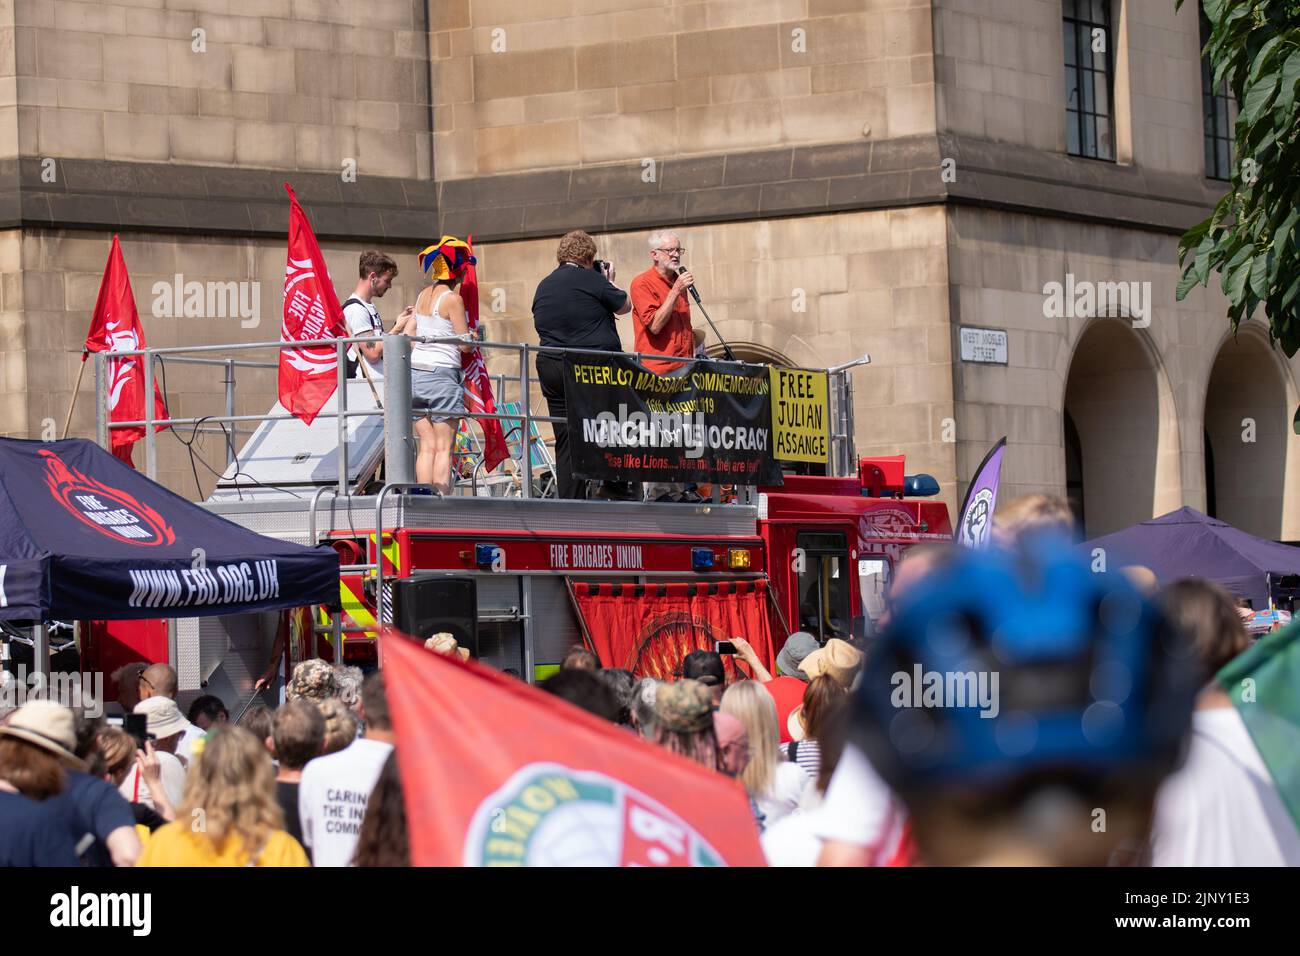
x,y
800,415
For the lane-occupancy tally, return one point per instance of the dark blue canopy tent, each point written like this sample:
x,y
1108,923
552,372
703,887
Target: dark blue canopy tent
x,y
1186,543
83,535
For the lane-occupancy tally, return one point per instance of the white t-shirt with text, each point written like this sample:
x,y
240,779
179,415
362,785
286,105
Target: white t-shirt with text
x,y
332,799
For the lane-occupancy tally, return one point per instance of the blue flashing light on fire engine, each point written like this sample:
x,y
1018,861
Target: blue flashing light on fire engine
x,y
484,555
701,559
920,486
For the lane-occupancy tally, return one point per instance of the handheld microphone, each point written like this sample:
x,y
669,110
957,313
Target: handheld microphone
x,y
691,288
731,356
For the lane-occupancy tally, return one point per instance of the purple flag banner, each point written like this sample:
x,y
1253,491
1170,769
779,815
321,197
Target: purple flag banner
x,y
975,520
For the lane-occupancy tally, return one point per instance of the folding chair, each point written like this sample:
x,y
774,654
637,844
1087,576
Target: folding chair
x,y
543,461
466,455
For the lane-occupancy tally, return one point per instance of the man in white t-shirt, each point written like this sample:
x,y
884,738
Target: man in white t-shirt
x,y
377,273
1222,807
334,790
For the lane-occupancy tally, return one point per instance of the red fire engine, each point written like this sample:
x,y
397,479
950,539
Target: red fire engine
x,y
814,554
521,580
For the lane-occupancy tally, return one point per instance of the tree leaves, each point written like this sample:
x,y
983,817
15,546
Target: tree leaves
x,y
1259,274
1264,56
1201,264
1290,74
1236,273
1261,93
1250,238
1185,285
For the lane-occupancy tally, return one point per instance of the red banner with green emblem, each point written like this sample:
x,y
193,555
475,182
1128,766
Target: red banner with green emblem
x,y
498,773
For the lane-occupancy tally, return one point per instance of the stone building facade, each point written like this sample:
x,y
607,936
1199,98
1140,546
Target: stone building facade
x,y
848,176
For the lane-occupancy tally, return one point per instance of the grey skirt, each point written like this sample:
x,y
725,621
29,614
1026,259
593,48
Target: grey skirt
x,y
437,394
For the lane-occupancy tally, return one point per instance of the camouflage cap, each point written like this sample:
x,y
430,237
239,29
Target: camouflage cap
x,y
314,679
685,706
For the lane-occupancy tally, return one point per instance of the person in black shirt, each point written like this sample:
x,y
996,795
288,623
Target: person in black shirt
x,y
99,817
31,833
574,307
36,743
297,736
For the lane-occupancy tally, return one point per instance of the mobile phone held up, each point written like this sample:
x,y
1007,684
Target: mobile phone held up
x,y
137,725
724,647
602,266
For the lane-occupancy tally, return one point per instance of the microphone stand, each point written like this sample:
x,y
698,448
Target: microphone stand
x,y
726,349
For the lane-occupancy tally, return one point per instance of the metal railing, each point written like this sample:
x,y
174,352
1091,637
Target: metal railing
x,y
399,444
398,438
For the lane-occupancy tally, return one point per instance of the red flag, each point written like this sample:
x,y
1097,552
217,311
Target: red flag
x,y
497,773
478,385
308,376
115,327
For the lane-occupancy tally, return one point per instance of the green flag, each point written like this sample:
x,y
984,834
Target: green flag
x,y
1264,684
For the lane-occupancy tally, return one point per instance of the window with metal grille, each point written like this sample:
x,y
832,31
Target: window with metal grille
x,y
1089,87
1220,112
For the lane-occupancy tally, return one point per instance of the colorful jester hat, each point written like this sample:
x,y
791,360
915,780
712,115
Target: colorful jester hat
x,y
447,259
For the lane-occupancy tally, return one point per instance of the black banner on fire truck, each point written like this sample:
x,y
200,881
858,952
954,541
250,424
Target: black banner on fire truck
x,y
709,421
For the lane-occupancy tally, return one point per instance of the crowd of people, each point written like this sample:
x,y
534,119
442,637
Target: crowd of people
x,y
287,787
1104,707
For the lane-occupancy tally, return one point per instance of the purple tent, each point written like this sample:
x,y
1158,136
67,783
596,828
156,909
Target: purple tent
x,y
1186,543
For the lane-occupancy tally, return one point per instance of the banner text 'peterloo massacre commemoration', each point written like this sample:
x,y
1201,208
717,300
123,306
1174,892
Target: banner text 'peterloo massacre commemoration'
x,y
709,421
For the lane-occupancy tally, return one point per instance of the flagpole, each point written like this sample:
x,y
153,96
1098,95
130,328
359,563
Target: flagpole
x,y
365,372
75,388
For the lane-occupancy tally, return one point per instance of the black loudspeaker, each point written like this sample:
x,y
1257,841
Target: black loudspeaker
x,y
425,605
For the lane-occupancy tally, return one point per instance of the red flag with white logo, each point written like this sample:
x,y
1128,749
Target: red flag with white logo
x,y
308,375
478,384
115,327
498,773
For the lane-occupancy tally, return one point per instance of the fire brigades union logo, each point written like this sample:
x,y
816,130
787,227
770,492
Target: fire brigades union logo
x,y
112,512
551,815
885,523
666,639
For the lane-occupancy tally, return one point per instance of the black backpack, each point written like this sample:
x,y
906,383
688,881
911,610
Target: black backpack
x,y
353,363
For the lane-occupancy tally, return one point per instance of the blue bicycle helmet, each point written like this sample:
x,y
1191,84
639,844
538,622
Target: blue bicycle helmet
x,y
999,666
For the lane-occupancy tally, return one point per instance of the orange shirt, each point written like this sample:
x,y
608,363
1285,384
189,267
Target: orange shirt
x,y
649,291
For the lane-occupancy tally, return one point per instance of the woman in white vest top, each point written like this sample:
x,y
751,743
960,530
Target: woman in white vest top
x,y
437,382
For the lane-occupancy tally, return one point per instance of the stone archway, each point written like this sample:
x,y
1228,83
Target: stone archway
x,y
1122,437
1246,428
